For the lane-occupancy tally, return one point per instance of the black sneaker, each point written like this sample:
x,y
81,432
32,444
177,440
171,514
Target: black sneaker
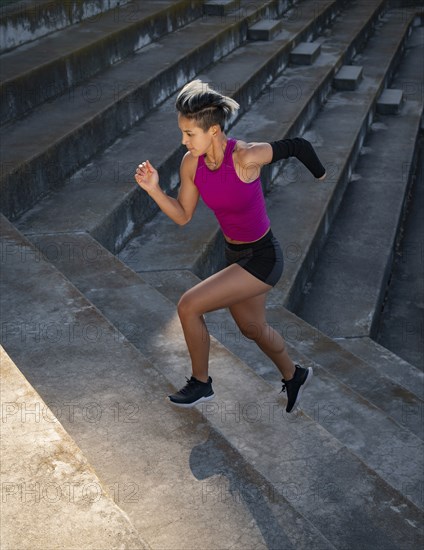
x,y
295,386
193,392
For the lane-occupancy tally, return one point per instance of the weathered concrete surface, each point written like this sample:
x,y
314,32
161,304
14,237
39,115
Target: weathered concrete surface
x,y
390,101
103,198
348,286
265,30
348,77
387,362
25,21
112,402
57,63
97,111
51,496
385,445
305,53
247,415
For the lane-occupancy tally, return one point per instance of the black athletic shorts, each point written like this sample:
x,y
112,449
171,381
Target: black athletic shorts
x,y
263,258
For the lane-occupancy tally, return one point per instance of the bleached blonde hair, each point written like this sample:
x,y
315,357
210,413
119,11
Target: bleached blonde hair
x,y
198,101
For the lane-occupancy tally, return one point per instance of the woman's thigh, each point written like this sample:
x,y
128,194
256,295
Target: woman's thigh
x,y
223,289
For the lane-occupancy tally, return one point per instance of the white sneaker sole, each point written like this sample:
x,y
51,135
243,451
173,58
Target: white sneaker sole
x,y
302,387
190,405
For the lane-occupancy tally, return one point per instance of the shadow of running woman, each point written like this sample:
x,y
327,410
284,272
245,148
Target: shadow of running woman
x,y
242,484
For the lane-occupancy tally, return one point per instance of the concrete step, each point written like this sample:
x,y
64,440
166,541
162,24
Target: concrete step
x,y
103,198
301,209
25,21
160,465
294,199
328,481
47,481
220,7
389,364
401,321
352,272
85,122
67,58
364,416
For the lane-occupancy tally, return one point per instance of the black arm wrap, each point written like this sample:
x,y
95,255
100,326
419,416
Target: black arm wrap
x,y
301,149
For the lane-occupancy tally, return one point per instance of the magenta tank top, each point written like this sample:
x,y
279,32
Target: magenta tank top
x,y
238,206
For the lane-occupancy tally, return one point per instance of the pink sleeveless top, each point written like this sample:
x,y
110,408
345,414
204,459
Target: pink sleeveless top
x,y
238,206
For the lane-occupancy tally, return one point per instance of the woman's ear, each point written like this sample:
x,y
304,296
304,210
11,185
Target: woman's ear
x,y
215,129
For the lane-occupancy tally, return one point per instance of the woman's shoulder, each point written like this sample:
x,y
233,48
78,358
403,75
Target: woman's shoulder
x,y
243,151
189,165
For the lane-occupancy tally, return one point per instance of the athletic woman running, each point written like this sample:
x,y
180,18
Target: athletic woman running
x,y
225,173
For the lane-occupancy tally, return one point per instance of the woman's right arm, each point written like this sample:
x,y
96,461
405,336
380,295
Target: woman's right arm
x,y
181,209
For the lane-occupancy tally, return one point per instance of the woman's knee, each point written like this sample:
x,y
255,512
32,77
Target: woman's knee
x,y
253,330
186,305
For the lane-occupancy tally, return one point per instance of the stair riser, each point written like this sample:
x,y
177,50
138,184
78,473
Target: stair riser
x,y
34,21
20,96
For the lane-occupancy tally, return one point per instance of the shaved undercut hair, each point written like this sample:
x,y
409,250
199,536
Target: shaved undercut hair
x,y
199,102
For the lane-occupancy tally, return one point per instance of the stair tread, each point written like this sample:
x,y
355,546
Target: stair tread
x,y
361,423
30,441
381,358
106,391
149,60
300,205
320,456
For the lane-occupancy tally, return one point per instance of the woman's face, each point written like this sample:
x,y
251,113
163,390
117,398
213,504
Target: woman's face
x,y
194,138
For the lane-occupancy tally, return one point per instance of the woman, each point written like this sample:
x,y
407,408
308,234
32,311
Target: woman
x,y
225,172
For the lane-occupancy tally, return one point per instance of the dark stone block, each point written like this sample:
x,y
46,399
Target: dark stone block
x,y
348,78
305,53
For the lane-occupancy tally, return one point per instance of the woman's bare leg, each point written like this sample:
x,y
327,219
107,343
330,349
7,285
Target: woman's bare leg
x,y
250,318
223,289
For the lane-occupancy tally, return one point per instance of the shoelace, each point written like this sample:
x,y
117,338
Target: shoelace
x,y
190,382
283,389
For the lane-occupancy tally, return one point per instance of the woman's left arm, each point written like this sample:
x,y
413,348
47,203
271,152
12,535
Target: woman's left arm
x,y
259,154
250,157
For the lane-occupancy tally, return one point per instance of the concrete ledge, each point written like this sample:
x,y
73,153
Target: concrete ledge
x,y
23,22
220,7
51,497
387,363
58,63
348,77
119,102
390,102
112,402
305,53
264,30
